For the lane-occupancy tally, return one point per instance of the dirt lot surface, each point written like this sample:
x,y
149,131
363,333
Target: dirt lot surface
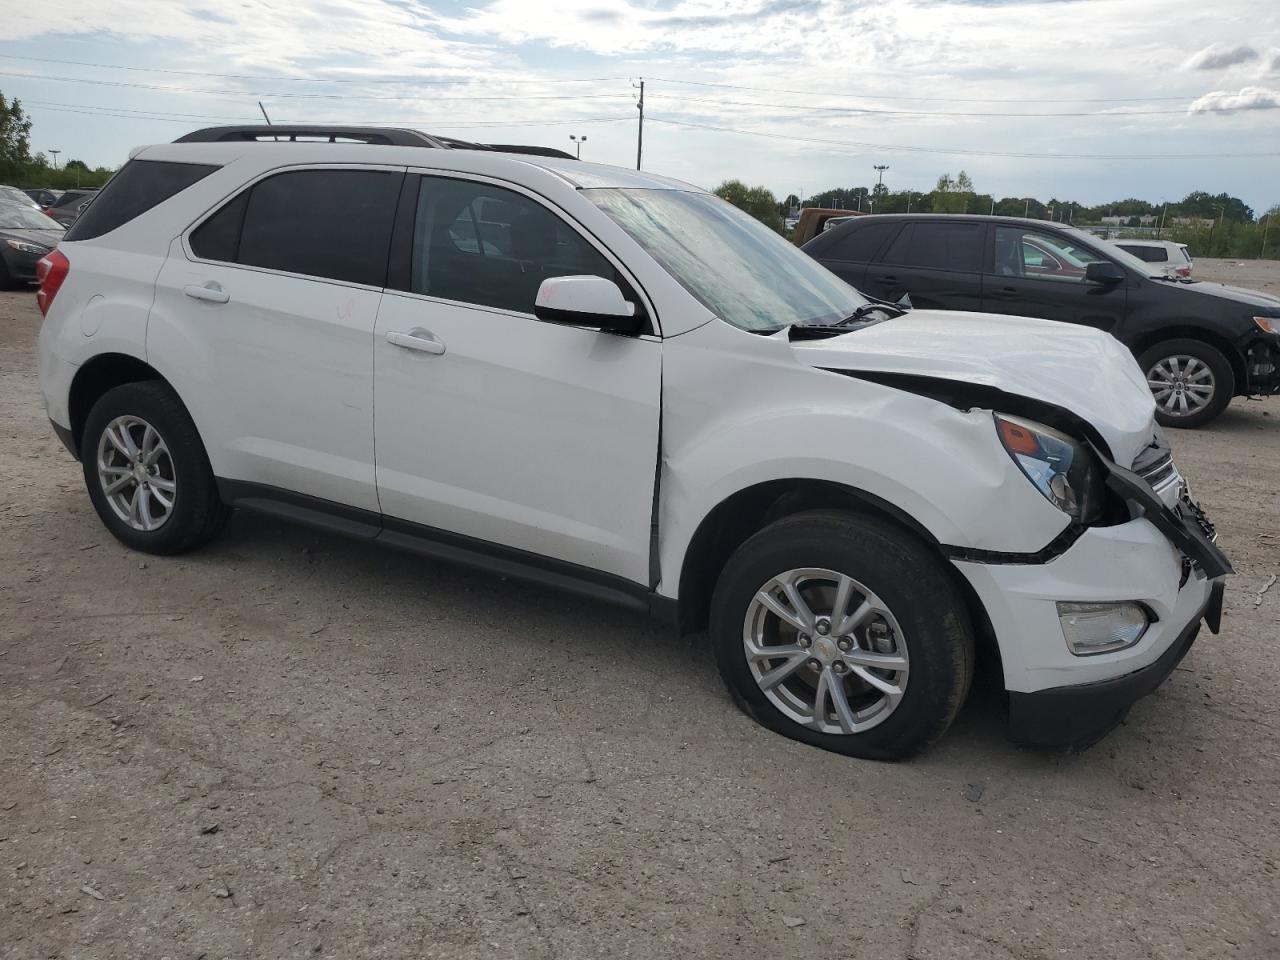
x,y
291,745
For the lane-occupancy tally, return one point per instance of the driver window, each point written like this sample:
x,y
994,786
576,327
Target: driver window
x,y
1031,254
483,245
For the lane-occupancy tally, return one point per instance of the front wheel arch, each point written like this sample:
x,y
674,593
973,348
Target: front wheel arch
x,y
741,515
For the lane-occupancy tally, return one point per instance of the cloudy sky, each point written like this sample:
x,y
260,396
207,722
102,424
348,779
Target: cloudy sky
x,y
1082,99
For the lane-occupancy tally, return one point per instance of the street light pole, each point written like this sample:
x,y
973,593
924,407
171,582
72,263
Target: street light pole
x,y
909,196
578,141
1026,210
55,158
880,168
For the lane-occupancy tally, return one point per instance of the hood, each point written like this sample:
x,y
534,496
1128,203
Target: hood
x,y
45,238
1220,291
1085,371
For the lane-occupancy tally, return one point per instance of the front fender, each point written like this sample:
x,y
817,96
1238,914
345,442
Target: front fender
x,y
737,413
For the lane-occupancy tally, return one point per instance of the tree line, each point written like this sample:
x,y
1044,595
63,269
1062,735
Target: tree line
x,y
19,168
1212,225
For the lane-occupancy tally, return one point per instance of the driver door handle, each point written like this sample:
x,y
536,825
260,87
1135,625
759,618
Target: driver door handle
x,y
416,339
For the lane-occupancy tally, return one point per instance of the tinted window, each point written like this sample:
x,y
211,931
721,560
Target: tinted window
x,y
1147,254
859,242
938,246
218,238
334,224
481,244
139,186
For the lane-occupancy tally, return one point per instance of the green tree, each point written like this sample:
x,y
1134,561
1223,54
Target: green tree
x,y
15,140
759,202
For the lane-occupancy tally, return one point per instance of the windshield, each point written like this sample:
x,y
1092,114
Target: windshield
x,y
14,195
734,265
14,217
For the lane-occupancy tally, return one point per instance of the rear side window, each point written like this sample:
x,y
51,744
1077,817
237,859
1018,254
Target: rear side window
x,y
139,186
333,224
939,246
860,242
1148,254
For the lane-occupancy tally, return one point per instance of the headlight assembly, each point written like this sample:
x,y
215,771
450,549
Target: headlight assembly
x,y
1268,324
27,247
1064,470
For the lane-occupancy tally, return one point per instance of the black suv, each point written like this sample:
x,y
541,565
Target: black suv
x,y
1199,343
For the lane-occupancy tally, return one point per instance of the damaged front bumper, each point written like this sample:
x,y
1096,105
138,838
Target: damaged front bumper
x,y
1164,558
1262,367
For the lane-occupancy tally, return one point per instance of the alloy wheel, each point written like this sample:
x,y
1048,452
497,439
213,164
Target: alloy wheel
x,y
1182,385
826,651
136,472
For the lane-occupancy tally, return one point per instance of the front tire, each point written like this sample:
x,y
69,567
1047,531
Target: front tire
x,y
147,472
1191,381
844,632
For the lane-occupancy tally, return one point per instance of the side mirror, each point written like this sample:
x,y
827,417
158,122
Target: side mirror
x,y
1103,271
585,302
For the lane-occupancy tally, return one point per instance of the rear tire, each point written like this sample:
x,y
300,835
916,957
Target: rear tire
x,y
1191,381
147,472
917,628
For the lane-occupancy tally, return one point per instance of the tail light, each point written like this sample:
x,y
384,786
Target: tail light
x,y
50,272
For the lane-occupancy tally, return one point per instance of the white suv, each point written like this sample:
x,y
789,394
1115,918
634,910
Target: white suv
x,y
617,384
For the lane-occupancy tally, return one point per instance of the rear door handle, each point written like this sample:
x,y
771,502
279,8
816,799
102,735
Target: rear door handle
x,y
211,291
1005,293
887,278
416,339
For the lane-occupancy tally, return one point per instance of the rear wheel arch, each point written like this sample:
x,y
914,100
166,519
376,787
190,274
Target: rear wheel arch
x,y
100,374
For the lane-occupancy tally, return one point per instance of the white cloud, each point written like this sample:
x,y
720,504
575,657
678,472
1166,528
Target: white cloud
x,y
1248,98
1219,56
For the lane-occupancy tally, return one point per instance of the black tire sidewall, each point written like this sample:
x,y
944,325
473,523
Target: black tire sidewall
x,y
911,582
1223,377
196,505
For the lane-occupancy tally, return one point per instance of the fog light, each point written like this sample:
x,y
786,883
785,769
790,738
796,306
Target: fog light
x,y
1092,628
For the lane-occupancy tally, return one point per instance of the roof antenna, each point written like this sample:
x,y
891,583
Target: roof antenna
x,y
266,118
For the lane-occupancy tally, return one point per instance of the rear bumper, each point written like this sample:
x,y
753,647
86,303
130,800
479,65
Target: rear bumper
x,y
1078,716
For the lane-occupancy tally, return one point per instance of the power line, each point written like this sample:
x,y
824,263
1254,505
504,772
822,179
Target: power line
x,y
885,96
968,153
306,96
245,76
122,113
810,108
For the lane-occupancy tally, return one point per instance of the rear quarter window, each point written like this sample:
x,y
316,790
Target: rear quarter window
x,y
139,186
859,242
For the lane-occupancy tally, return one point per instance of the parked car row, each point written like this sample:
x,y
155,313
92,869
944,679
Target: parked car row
x,y
1198,344
641,394
26,235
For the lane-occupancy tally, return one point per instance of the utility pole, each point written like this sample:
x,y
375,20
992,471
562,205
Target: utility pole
x,y
640,129
1026,209
1265,230
909,196
993,206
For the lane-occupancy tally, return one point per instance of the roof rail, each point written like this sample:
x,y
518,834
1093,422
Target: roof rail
x,y
382,136
385,136
531,151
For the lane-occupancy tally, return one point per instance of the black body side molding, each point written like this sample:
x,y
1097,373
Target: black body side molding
x,y
444,545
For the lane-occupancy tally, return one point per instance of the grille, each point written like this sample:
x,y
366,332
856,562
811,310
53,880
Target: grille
x,y
1157,472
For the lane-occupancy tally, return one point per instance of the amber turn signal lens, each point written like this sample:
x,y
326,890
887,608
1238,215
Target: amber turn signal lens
x,y
1017,438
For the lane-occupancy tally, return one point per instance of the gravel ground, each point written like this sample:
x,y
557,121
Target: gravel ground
x,y
291,745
